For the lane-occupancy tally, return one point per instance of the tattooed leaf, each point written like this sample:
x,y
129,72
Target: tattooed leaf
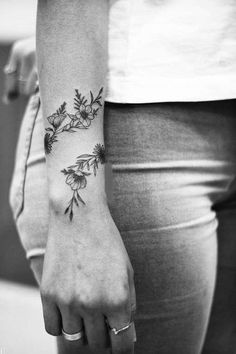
x,y
67,209
95,112
84,155
86,173
49,130
91,97
71,215
79,165
94,170
79,198
62,109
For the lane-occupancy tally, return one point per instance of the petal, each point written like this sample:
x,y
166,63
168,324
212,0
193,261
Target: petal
x,y
88,109
51,118
91,116
88,122
74,116
83,183
74,186
69,179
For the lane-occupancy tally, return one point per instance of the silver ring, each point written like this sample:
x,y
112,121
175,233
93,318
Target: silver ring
x,y
74,336
117,331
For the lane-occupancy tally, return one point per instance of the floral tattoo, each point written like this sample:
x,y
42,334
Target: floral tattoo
x,y
62,121
76,175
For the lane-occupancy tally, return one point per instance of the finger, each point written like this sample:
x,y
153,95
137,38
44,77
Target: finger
x,y
25,70
64,346
10,70
10,88
32,83
36,264
122,342
72,323
97,333
12,63
52,317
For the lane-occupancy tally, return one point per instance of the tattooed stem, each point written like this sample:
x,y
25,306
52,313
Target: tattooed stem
x,y
76,175
74,200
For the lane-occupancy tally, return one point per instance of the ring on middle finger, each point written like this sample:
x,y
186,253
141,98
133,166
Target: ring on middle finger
x,y
73,337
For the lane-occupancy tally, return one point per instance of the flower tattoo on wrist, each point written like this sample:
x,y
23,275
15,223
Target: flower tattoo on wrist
x,y
62,121
76,175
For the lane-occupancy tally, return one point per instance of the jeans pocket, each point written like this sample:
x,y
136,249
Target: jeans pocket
x,y
16,194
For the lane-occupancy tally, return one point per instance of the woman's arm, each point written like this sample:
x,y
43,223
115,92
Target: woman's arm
x,y
72,62
87,273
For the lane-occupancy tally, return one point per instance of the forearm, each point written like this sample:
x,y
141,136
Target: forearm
x,y
72,62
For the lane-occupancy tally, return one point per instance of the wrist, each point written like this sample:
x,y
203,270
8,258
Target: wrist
x,y
77,204
82,194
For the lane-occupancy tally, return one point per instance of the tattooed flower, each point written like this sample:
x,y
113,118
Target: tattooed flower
x,y
56,119
85,114
47,143
99,152
77,179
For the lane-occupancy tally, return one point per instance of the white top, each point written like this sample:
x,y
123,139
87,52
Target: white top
x,y
171,50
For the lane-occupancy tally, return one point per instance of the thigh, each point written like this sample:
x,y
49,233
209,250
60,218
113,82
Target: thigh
x,y
167,173
173,256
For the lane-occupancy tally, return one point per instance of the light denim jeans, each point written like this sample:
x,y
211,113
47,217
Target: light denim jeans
x,y
172,193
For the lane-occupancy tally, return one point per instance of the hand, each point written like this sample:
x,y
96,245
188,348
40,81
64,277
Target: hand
x,y
88,280
20,71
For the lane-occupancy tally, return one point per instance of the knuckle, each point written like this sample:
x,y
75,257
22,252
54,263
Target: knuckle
x,y
47,294
66,301
120,300
88,304
71,303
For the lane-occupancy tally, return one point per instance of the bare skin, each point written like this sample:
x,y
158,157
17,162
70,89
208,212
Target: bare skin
x,y
87,278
